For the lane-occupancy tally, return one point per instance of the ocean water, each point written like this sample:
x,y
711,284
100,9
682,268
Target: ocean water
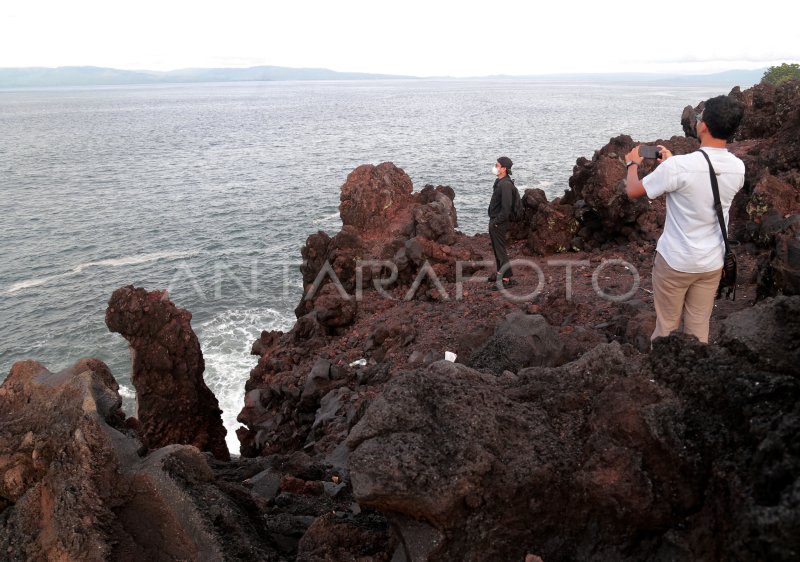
x,y
210,190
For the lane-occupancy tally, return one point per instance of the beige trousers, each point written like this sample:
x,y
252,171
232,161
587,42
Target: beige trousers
x,y
688,295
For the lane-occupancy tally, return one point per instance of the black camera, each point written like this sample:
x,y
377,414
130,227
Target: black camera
x,y
649,151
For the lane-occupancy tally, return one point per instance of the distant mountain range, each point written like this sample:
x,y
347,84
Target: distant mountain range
x,y
36,77
743,78
97,76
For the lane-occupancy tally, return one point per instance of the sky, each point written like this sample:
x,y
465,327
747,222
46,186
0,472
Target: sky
x,y
411,37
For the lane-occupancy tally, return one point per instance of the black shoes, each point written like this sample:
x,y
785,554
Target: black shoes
x,y
507,283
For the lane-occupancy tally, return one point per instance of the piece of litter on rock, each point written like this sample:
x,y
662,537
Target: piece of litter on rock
x,y
358,363
647,290
450,356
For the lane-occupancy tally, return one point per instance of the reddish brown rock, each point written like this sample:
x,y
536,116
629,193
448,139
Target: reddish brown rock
x,y
464,451
552,229
768,109
376,200
335,308
173,403
623,463
436,218
771,202
768,139
336,537
329,260
597,193
658,448
282,409
389,235
74,487
532,199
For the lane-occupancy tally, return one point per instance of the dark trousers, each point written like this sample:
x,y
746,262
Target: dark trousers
x,y
497,233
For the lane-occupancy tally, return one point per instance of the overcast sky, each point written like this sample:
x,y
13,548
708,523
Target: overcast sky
x,y
413,37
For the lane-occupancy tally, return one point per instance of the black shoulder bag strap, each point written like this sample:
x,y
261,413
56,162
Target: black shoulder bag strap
x,y
728,282
717,202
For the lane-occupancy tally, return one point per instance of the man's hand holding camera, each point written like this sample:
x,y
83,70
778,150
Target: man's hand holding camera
x,y
639,153
633,185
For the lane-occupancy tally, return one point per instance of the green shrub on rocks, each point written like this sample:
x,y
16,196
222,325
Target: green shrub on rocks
x,y
777,75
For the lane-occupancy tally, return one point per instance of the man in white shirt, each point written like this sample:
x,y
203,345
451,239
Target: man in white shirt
x,y
690,251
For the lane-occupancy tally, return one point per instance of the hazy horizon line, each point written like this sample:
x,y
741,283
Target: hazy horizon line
x,y
352,72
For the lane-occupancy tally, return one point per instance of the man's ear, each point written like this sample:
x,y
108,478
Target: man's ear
x,y
699,125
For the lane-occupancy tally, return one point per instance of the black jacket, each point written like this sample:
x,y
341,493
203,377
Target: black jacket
x,y
502,199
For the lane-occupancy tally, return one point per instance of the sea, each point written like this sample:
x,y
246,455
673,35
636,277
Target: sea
x,y
210,191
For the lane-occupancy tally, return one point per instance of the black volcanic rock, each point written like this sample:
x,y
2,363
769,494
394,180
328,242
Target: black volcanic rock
x,y
740,423
780,269
766,334
581,461
520,340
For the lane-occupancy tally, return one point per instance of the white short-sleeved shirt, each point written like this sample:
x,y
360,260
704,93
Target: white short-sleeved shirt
x,y
692,240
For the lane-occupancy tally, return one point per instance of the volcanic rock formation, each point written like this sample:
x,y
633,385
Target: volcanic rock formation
x,y
557,433
173,403
75,485
612,456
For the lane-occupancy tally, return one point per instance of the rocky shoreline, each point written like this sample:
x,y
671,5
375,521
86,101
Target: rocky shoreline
x,y
557,433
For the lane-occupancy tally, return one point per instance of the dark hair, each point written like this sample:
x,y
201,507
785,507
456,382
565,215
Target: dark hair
x,y
506,163
722,115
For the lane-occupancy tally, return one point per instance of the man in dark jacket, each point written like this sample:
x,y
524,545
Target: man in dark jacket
x,y
499,218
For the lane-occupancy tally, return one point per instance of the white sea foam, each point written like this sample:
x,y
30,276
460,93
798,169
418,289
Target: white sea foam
x,y
326,218
226,341
127,392
111,262
133,260
29,283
